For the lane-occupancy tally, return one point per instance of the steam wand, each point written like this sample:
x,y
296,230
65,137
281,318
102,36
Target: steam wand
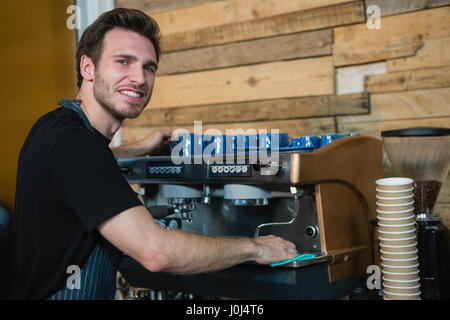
x,y
297,195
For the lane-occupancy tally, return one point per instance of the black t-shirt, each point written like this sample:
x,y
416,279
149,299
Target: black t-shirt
x,y
68,183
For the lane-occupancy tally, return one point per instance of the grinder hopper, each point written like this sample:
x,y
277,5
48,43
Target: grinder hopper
x,y
422,154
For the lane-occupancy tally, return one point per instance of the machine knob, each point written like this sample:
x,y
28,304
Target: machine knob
x,y
125,170
270,169
310,231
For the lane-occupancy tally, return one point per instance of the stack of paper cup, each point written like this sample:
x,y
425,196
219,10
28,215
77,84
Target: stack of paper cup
x,y
398,241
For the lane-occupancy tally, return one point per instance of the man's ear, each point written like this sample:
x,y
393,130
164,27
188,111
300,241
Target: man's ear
x,y
87,68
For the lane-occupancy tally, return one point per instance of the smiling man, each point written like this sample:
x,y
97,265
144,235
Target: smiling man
x,y
75,213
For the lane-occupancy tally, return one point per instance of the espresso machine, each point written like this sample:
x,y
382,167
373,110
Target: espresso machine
x,y
316,191
423,154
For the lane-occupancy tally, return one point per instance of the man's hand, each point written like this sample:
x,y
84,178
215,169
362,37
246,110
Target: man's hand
x,y
158,139
274,249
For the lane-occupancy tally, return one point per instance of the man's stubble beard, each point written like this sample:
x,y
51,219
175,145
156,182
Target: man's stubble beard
x,y
104,93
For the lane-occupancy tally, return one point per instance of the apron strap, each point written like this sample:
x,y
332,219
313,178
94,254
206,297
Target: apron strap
x,y
98,276
75,106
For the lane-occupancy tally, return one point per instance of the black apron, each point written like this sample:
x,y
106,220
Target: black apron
x,y
98,275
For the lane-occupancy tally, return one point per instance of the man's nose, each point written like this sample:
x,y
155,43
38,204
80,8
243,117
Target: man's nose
x,y
137,75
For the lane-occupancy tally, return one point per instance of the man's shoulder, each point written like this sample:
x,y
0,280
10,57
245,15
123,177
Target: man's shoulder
x,y
56,123
61,127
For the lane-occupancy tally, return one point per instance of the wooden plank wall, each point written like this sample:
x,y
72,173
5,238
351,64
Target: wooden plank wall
x,y
303,67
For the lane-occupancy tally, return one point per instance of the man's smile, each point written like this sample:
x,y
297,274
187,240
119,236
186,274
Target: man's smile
x,y
133,95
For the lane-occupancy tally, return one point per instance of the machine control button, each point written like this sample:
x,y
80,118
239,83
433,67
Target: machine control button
x,y
171,170
229,170
310,231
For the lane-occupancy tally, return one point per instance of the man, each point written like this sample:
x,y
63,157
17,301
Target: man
x,y
75,213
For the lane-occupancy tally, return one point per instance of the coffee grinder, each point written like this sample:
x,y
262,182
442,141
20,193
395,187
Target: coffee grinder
x,y
423,154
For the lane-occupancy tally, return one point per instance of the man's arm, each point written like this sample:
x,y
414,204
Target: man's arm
x,y
135,233
160,138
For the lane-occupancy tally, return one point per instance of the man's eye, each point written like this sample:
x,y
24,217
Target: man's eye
x,y
150,68
123,62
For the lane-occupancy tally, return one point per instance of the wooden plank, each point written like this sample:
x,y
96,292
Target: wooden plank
x,y
389,7
319,18
444,194
187,19
221,12
294,78
294,128
434,53
409,80
432,23
443,208
351,79
347,53
255,9
298,45
405,105
279,109
158,5
374,128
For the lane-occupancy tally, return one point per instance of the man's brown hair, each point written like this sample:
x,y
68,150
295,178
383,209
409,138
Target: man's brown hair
x,y
130,19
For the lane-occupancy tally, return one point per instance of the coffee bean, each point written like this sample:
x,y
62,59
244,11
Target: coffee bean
x,y
425,194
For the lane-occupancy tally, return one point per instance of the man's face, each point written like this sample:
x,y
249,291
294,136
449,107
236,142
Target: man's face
x,y
124,74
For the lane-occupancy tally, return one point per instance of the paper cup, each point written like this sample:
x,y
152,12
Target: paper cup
x,y
401,296
405,278
395,207
384,298
394,193
406,285
396,228
397,235
398,255
402,290
391,220
406,198
401,262
395,201
397,242
401,283
396,248
391,215
394,183
400,272
406,203
397,213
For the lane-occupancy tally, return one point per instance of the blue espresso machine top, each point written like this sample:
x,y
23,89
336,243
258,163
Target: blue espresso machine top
x,y
197,144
